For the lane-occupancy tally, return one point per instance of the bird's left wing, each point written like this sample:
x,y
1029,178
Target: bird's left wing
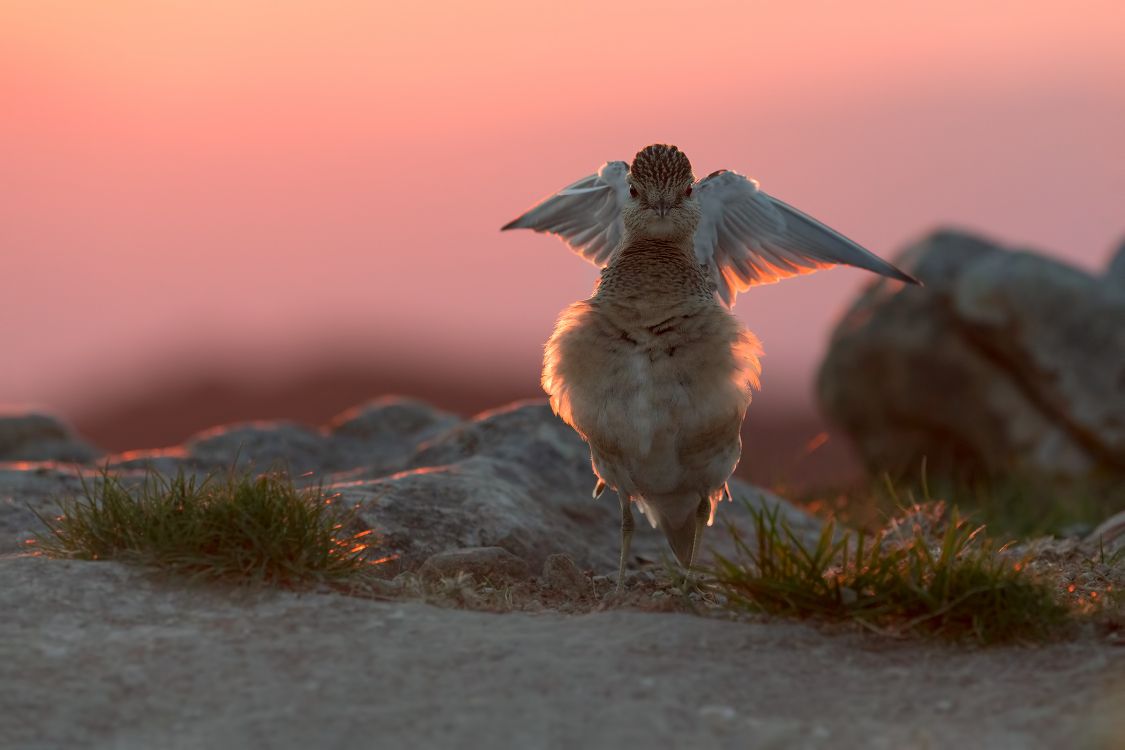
x,y
747,237
586,215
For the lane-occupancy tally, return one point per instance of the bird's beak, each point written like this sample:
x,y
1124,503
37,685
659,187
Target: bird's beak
x,y
662,208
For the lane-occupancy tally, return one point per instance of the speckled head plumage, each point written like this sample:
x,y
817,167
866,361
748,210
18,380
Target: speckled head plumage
x,y
661,166
661,205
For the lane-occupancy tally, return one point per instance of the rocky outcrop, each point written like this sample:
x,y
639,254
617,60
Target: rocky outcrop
x,y
380,436
520,479
425,482
1004,360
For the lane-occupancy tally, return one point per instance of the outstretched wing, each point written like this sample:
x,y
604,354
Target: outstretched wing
x,y
748,237
586,215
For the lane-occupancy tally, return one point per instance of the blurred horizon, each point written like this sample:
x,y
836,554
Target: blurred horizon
x,y
253,188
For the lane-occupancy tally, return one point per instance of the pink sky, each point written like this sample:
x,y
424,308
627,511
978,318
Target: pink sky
x,y
272,182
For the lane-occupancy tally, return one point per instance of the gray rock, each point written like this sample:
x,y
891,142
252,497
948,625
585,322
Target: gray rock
x,y
383,434
167,461
1061,336
24,492
19,430
263,445
378,438
493,565
1115,272
38,437
1003,360
393,418
1109,537
524,431
561,574
520,479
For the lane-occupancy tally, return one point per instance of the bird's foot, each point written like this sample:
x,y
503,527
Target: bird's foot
x,y
690,584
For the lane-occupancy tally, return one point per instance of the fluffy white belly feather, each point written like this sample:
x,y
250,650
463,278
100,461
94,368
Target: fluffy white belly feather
x,y
660,407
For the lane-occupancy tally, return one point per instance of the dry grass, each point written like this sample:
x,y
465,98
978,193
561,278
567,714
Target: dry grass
x,y
232,527
946,579
1018,506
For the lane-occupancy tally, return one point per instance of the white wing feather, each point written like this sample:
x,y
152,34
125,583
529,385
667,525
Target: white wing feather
x,y
745,236
586,215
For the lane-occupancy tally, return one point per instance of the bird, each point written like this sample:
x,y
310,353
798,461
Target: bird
x,y
653,370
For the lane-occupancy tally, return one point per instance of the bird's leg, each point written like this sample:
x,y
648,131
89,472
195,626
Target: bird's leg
x,y
702,514
626,537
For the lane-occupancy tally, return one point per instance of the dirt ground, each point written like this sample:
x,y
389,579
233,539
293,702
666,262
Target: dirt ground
x,y
99,655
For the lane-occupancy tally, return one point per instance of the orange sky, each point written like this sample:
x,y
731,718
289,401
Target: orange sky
x,y
270,181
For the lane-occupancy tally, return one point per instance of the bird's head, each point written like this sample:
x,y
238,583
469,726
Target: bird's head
x,y
661,204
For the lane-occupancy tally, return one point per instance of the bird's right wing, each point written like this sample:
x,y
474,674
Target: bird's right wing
x,y
585,215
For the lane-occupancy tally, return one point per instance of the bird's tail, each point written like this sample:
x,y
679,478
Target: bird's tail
x,y
681,539
679,517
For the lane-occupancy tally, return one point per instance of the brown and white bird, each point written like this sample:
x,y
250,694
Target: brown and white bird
x,y
653,370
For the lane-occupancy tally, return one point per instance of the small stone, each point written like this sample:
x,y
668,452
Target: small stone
x,y
494,565
561,574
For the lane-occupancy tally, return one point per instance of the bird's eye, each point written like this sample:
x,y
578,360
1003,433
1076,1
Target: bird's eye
x,y
633,192
688,191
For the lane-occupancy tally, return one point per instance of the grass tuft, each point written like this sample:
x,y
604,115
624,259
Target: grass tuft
x,y
1019,505
233,527
952,582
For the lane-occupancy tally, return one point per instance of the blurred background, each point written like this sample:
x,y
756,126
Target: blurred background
x,y
216,211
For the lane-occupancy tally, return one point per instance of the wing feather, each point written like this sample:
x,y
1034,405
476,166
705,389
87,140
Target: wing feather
x,y
585,215
748,237
745,236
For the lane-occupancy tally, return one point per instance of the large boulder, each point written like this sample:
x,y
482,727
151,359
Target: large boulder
x,y
1004,360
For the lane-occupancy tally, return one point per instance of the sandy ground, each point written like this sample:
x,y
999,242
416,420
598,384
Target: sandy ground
x,y
105,656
